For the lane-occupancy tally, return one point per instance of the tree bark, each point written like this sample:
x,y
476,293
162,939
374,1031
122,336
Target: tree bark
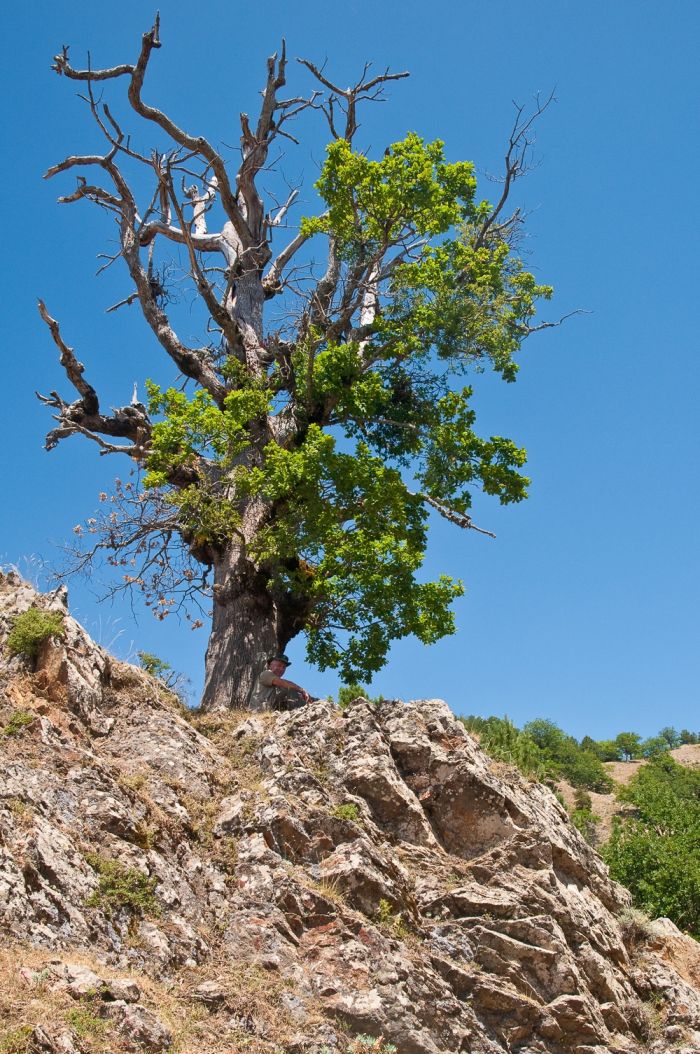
x,y
250,623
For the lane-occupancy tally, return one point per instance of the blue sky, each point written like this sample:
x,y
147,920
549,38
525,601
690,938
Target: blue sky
x,y
584,609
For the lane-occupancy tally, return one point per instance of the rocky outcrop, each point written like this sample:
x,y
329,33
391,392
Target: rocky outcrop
x,y
320,881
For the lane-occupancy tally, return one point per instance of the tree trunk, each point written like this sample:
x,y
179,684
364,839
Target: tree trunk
x,y
248,626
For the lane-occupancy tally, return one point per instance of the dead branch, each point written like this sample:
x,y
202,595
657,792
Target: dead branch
x,y
361,91
515,160
83,415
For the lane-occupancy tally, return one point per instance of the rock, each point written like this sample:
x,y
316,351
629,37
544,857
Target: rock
x,y
141,1028
305,878
211,993
45,1041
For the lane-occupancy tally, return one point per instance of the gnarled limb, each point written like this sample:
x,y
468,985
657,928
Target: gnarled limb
x,y
83,415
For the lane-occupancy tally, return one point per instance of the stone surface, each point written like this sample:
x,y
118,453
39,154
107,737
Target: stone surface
x,y
289,881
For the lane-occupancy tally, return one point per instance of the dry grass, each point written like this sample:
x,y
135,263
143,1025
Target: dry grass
x,y
251,1016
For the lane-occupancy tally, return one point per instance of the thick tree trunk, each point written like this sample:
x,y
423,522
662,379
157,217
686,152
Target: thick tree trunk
x,y
248,626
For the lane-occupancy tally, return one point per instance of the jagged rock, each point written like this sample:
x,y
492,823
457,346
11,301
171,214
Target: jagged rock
x,y
45,1041
307,877
141,1028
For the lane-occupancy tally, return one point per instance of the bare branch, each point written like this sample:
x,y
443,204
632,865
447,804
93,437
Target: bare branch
x,y
62,66
130,422
552,325
458,518
350,96
515,159
271,281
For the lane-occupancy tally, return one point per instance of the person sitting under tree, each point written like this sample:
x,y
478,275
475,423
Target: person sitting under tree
x,y
274,692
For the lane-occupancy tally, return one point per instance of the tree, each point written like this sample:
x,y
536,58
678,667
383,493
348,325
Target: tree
x,y
671,736
295,475
607,750
628,745
653,746
656,851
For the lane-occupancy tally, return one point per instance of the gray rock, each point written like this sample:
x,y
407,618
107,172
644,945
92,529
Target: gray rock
x,y
455,908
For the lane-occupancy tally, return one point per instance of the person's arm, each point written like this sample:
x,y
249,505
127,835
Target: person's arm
x,y
282,682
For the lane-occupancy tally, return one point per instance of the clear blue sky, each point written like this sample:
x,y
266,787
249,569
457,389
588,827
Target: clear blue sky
x,y
585,608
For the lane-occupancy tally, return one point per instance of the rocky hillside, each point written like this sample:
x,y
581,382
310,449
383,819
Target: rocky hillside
x,y
321,882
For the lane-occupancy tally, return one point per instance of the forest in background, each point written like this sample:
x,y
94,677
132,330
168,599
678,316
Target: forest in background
x,y
654,846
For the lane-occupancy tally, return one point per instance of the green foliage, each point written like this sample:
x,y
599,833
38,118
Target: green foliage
x,y
384,430
671,736
388,917
656,851
86,1024
503,741
348,811
566,759
628,746
607,750
153,666
121,887
364,1044
175,682
583,817
541,750
30,629
19,720
15,1040
653,746
348,693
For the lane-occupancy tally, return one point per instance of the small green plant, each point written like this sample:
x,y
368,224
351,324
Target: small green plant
x,y
348,811
388,918
348,693
31,628
84,1023
583,817
636,925
15,1041
19,720
363,1043
174,682
121,887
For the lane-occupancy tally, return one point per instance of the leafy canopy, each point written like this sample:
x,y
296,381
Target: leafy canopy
x,y
656,851
383,428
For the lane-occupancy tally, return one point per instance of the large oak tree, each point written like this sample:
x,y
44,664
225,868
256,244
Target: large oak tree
x,y
294,473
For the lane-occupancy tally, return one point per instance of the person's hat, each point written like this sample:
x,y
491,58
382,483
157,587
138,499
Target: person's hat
x,y
279,658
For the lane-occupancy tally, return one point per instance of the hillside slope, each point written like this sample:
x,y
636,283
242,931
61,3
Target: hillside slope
x,y
318,882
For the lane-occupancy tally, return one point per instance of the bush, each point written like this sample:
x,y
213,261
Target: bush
x,y
18,722
162,671
31,628
121,887
349,811
500,738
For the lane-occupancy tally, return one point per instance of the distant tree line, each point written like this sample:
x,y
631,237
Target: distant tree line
x,y
654,848
544,751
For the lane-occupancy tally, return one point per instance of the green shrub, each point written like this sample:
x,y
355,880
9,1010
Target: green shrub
x,y
84,1023
121,887
31,628
18,722
363,1044
348,693
174,682
349,811
585,821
